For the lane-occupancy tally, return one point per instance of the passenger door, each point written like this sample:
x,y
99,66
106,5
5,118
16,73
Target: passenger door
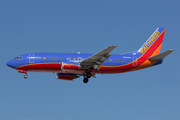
x,y
134,61
31,58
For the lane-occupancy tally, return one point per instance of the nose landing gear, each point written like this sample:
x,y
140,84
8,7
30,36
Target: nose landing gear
x,y
23,71
25,76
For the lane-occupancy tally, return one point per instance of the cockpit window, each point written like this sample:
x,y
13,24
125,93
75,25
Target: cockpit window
x,y
18,58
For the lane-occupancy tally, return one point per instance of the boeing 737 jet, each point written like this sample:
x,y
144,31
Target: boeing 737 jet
x,y
70,66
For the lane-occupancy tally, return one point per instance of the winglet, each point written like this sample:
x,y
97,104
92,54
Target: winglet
x,y
161,55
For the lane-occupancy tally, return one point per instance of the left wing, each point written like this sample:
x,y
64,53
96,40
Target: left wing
x,y
98,58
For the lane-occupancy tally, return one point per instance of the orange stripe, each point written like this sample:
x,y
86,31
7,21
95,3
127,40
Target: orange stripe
x,y
157,51
148,63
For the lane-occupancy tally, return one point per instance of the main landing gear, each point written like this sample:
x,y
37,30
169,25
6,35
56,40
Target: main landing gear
x,y
87,75
85,80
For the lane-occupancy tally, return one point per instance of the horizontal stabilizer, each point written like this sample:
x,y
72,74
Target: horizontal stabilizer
x,y
161,55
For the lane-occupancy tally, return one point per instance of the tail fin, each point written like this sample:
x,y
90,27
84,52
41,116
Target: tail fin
x,y
153,45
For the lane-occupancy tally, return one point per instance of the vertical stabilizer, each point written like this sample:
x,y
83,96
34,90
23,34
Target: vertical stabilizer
x,y
153,45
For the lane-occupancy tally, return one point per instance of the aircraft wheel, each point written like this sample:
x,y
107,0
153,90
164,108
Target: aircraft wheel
x,y
85,80
25,76
88,74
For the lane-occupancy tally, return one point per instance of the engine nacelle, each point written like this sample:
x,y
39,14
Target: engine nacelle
x,y
66,76
69,66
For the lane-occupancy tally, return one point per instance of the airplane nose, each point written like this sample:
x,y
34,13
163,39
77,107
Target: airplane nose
x,y
9,63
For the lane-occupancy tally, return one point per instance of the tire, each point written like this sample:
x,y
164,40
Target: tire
x,y
85,80
25,76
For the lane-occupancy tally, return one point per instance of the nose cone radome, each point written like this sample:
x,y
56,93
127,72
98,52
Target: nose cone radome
x,y
10,64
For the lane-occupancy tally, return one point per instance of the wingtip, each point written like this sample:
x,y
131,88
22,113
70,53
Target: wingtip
x,y
171,50
113,46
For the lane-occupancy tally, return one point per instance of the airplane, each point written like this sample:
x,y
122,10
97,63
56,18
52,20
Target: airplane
x,y
69,66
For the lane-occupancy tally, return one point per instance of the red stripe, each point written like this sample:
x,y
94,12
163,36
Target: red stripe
x,y
41,66
142,62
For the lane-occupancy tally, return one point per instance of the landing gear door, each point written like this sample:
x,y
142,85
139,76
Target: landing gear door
x,y
31,58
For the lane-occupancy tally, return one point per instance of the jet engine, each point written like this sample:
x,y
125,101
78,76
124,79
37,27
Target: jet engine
x,y
66,76
72,66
